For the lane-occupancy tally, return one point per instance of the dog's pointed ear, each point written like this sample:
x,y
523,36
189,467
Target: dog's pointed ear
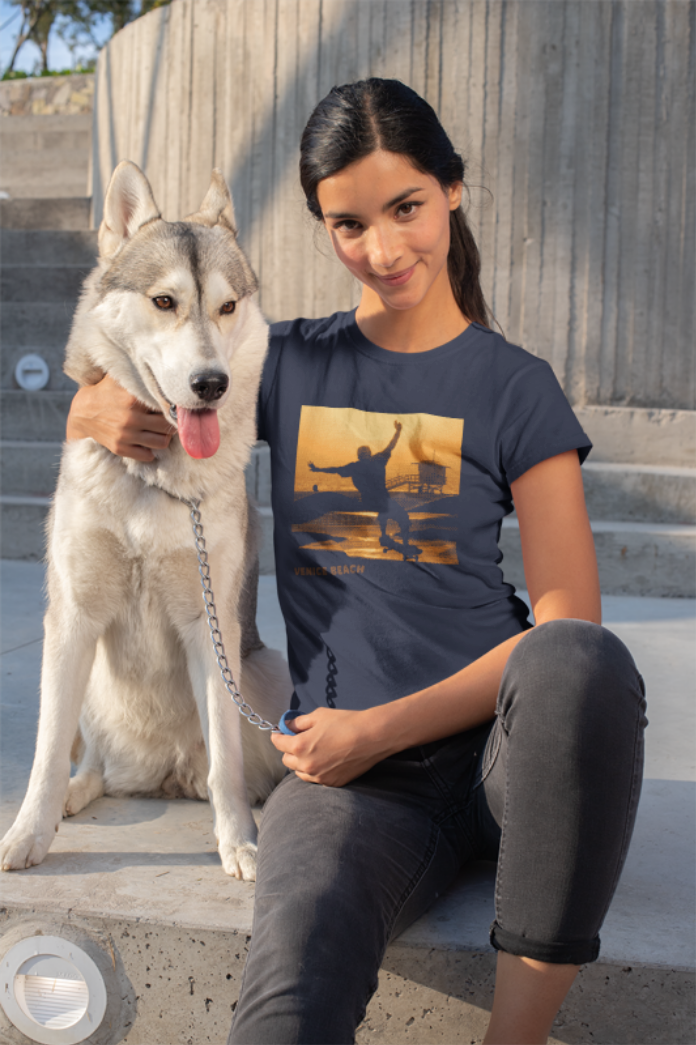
x,y
217,207
129,205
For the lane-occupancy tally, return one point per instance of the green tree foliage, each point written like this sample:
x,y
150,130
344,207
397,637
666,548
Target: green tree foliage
x,y
77,22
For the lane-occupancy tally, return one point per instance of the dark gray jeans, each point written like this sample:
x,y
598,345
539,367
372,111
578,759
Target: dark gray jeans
x,y
549,788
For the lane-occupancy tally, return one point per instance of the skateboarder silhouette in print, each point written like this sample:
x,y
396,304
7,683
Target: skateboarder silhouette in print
x,y
368,474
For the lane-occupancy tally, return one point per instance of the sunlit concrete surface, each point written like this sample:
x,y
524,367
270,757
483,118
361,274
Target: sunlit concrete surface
x,y
153,864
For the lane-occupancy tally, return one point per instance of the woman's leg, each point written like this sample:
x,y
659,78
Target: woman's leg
x,y
340,871
562,781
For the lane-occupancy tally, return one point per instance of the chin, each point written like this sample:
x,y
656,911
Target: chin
x,y
402,302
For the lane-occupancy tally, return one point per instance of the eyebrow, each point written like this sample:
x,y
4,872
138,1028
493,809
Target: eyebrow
x,y
387,206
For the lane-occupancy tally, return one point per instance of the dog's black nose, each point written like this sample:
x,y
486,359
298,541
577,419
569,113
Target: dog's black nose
x,y
209,385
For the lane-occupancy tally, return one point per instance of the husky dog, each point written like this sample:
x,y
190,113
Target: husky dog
x,y
168,313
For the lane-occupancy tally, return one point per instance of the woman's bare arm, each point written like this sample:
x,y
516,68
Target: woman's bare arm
x,y
333,747
117,420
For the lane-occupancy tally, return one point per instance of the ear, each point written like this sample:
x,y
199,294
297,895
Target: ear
x,y
455,193
217,207
128,206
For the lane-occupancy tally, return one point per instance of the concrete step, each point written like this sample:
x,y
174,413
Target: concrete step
x,y
29,468
45,156
65,214
43,133
634,558
638,435
42,284
49,248
34,415
23,522
640,493
22,527
38,327
47,174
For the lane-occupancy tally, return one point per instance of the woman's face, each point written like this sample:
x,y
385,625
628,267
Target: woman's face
x,y
389,225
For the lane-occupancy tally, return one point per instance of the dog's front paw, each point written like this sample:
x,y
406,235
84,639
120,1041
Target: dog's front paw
x,y
239,861
21,848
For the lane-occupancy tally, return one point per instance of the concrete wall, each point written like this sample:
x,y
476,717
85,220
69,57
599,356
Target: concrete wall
x,y
577,117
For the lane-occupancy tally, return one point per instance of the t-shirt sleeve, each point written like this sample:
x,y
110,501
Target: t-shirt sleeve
x,y
543,423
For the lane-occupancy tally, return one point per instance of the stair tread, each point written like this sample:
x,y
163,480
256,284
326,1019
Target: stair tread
x,y
637,469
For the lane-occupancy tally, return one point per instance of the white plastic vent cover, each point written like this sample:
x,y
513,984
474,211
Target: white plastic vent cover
x,y
52,991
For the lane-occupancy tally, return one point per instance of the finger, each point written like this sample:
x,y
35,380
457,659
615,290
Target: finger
x,y
283,742
307,778
300,723
153,421
148,438
137,453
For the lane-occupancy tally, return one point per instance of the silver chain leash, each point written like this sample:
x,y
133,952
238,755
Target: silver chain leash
x,y
213,623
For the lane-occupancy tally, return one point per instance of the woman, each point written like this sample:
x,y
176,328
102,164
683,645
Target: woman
x,y
442,726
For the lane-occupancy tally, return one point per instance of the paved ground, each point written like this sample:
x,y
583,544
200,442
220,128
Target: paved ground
x,y
155,861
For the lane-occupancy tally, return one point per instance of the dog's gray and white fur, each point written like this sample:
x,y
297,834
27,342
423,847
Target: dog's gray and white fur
x,y
127,649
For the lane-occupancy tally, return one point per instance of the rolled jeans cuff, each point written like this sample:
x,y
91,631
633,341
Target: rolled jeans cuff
x,y
577,952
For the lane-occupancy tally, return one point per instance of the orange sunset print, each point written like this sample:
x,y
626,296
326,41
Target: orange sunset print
x,y
377,486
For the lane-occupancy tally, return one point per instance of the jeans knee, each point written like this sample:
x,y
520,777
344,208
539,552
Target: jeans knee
x,y
573,664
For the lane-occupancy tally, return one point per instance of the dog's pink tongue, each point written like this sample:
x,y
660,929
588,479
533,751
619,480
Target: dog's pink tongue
x,y
199,431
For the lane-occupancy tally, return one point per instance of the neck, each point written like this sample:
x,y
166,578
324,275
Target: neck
x,y
427,325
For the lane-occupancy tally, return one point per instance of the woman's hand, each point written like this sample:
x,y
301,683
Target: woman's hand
x,y
117,420
331,747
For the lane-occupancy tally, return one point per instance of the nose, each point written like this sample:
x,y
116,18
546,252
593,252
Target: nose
x,y
209,385
383,247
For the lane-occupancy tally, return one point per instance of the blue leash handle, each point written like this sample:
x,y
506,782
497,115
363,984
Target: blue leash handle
x,y
283,726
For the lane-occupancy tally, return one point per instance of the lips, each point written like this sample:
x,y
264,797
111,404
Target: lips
x,y
398,279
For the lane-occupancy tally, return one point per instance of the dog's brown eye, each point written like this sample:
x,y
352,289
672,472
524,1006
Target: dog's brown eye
x,y
228,308
164,302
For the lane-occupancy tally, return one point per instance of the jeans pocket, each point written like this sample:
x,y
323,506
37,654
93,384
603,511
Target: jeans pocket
x,y
453,766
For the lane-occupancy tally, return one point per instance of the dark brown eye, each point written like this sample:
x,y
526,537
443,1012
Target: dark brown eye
x,y
228,308
164,302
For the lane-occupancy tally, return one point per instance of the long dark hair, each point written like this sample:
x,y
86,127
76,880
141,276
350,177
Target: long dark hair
x,y
355,120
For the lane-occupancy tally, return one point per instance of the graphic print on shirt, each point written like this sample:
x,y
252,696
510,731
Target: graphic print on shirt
x,y
377,486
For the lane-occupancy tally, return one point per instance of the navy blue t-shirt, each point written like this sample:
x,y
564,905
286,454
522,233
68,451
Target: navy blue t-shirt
x,y
391,475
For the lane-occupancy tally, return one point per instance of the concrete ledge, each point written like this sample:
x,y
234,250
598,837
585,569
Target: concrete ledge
x,y
46,155
39,415
180,984
49,248
640,435
58,285
29,468
23,522
22,527
633,558
640,493
55,214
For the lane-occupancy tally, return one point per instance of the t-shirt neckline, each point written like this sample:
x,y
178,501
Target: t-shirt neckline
x,y
385,355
